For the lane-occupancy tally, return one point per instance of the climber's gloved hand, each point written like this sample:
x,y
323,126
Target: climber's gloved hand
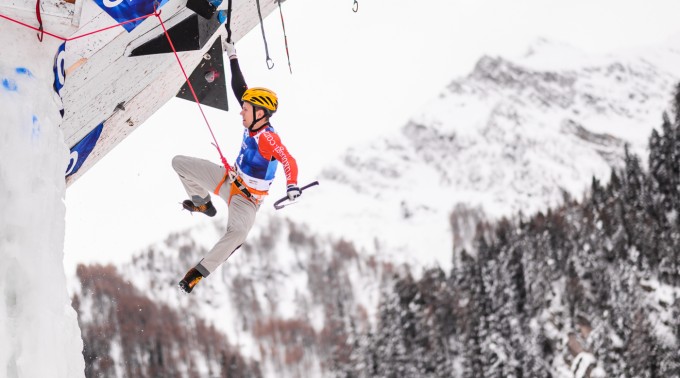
x,y
229,48
293,192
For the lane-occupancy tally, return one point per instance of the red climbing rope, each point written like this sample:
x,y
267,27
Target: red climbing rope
x,y
191,87
42,31
155,13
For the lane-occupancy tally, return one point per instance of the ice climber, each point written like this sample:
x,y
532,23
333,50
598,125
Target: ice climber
x,y
248,181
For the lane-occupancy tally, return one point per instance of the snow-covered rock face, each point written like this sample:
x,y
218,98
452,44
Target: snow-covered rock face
x,y
509,137
39,335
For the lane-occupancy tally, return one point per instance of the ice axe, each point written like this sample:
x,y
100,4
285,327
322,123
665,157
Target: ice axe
x,y
280,204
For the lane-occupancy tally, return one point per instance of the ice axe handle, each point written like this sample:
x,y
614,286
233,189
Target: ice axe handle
x,y
278,205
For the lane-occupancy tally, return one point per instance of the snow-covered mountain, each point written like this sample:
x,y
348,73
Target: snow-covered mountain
x,y
512,136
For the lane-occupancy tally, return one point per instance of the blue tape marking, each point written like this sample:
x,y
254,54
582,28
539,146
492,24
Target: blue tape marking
x,y
9,84
24,71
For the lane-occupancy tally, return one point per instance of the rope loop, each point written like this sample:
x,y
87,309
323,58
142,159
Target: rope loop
x,y
41,31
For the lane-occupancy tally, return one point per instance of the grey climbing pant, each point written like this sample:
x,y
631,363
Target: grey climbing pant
x,y
200,177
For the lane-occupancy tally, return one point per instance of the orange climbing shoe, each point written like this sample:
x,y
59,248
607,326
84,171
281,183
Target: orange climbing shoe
x,y
190,280
207,209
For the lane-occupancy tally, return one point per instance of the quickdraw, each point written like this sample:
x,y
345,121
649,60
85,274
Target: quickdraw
x,y
266,49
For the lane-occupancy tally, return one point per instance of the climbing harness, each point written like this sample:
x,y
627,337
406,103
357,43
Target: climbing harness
x,y
266,49
285,38
243,188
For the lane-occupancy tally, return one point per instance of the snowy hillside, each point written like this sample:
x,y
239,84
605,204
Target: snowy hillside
x,y
280,299
511,136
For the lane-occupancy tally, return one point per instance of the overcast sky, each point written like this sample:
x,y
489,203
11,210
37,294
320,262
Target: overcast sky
x,y
355,76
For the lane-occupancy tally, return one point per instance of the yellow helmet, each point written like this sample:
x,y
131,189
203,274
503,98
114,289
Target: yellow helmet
x,y
261,97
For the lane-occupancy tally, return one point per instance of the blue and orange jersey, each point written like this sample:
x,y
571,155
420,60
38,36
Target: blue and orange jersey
x,y
261,151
